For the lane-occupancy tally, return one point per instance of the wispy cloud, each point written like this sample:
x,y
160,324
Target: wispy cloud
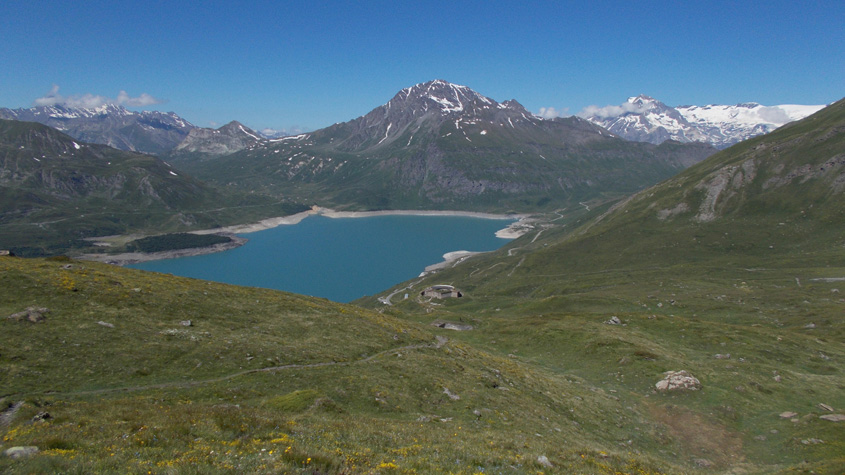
x,y
551,112
90,101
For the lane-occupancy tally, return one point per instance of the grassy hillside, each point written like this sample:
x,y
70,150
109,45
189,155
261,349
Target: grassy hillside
x,y
265,381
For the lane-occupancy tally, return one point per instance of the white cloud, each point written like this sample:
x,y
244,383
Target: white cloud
x,y
274,133
551,112
609,111
141,101
775,115
90,101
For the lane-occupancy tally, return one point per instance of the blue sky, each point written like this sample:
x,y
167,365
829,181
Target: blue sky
x,y
309,64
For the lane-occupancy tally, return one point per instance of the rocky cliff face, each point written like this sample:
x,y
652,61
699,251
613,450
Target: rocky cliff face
x,y
230,138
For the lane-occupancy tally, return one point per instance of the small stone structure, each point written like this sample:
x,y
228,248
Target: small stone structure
x,y
441,292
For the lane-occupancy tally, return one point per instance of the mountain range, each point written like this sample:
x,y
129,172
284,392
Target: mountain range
x,y
113,125
641,118
645,119
439,145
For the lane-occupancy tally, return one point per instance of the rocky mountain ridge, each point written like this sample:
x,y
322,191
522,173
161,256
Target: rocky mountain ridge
x,y
230,138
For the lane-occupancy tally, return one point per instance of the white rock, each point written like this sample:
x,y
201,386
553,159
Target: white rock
x,y
544,461
678,381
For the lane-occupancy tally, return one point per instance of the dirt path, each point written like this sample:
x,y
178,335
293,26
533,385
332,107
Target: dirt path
x,y
188,384
8,415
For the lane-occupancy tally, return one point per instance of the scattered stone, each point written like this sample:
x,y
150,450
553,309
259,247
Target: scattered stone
x,y
810,325
452,396
812,441
41,416
106,324
544,461
21,451
777,378
678,381
451,325
825,407
720,356
67,266
31,314
788,414
614,320
833,417
703,463
476,412
760,437
186,323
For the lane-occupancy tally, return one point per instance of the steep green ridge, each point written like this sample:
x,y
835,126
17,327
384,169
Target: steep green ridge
x,y
441,146
55,191
740,255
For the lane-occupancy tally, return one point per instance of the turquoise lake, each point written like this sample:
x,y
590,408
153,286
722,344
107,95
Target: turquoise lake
x,y
341,259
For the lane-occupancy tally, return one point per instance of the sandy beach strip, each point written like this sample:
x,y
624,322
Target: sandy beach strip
x,y
450,259
513,231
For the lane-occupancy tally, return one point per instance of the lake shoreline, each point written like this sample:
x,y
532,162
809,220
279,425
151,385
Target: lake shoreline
x,y
512,231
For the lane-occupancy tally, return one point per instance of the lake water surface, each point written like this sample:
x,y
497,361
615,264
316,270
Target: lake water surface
x,y
341,259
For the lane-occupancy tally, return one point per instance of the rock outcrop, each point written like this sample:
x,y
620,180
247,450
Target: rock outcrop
x,y
678,381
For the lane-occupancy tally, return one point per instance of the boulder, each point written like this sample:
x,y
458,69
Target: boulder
x,y
21,451
833,417
614,320
544,461
678,381
31,314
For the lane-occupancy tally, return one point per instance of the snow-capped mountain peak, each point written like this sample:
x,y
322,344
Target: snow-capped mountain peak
x,y
644,102
645,119
440,95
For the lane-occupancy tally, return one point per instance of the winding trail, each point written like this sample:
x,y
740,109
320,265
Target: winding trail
x,y
8,415
440,341
386,300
